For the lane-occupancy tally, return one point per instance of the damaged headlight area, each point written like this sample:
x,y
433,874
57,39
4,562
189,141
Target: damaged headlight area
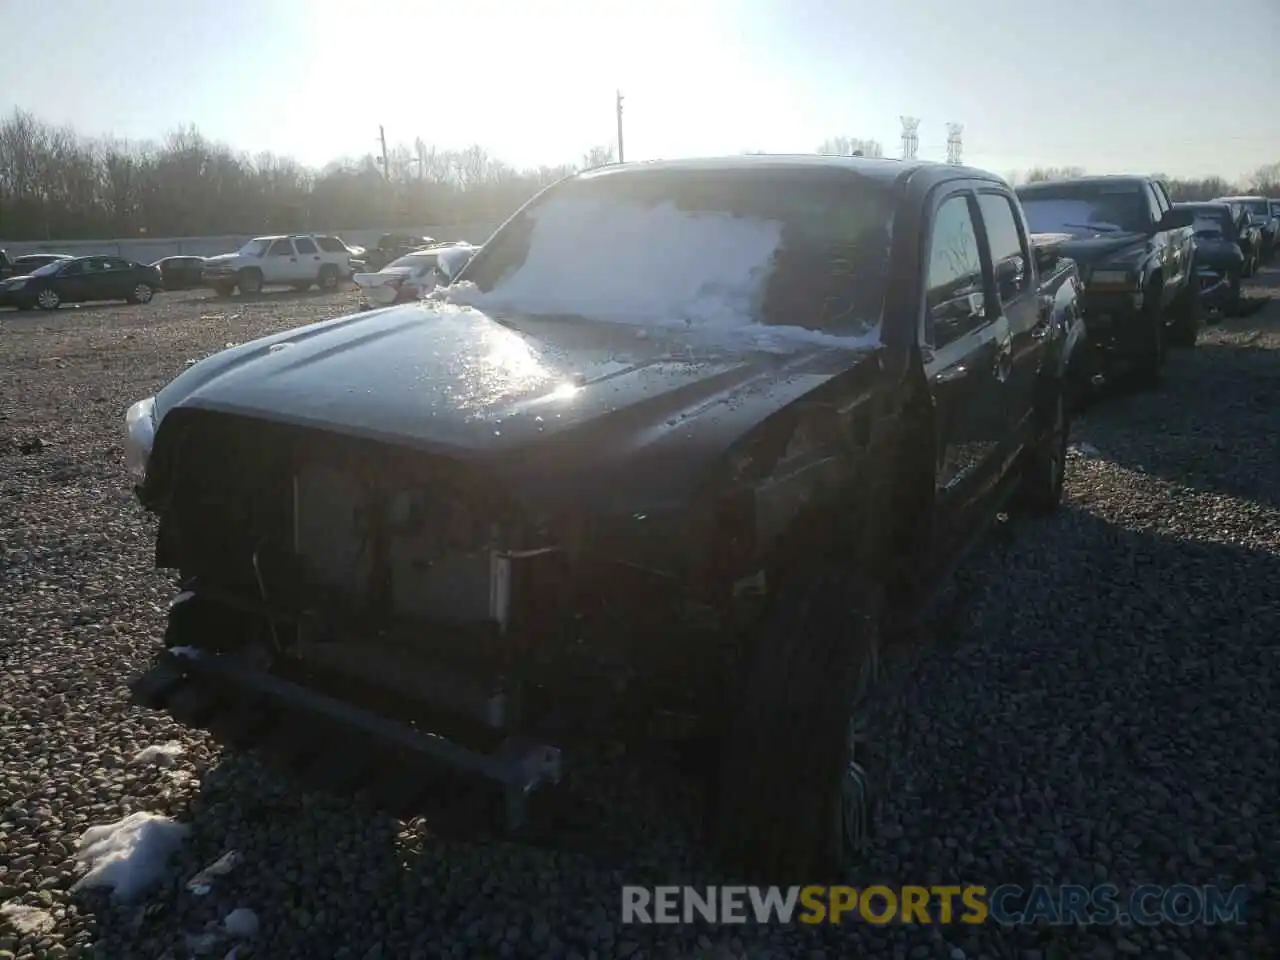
x,y
140,434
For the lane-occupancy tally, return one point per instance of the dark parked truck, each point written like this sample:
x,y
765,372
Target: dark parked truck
x,y
675,455
1219,259
1135,254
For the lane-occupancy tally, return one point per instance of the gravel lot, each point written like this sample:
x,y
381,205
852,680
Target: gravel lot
x,y
1099,704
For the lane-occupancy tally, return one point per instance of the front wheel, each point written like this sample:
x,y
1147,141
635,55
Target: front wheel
x,y
795,786
142,293
1187,318
1150,355
249,282
48,299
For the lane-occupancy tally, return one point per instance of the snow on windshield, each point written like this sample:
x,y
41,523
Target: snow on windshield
x,y
455,258
768,261
694,267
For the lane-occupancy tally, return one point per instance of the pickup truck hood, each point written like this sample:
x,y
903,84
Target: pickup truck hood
x,y
561,397
1110,248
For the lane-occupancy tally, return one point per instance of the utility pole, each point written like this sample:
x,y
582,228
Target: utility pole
x,y
382,135
621,158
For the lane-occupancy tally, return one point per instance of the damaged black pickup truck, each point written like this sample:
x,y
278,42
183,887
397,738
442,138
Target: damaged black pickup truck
x,y
680,448
1135,253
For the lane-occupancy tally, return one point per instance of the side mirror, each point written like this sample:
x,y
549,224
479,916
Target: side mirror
x,y
1175,219
1046,257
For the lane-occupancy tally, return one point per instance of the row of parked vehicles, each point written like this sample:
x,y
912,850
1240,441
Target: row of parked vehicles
x,y
48,280
680,453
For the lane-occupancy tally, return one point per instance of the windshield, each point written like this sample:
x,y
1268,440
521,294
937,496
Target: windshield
x,y
696,249
418,262
48,269
1209,224
254,248
1085,208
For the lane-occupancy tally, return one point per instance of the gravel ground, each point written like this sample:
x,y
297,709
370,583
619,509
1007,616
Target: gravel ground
x,y
1097,705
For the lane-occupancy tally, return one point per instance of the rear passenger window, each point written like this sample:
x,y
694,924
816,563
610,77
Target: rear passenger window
x,y
1009,253
304,245
953,282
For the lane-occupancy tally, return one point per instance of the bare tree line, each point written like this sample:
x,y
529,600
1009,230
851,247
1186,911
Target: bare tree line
x,y
57,184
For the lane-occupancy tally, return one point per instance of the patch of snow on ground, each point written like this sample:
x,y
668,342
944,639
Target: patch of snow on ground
x,y
653,267
128,856
241,922
28,921
160,755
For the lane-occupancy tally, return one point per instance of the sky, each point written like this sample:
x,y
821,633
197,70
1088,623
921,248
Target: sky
x,y
1108,85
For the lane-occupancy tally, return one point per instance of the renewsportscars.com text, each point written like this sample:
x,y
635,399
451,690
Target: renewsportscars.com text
x,y
1008,904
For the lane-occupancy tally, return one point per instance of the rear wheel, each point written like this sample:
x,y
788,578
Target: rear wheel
x,y
795,787
249,281
48,299
1044,465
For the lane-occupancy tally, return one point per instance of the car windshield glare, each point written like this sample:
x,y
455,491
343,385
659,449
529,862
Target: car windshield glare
x,y
1079,209
254,248
697,249
49,268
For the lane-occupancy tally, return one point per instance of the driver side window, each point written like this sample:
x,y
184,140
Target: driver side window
x,y
955,299
281,248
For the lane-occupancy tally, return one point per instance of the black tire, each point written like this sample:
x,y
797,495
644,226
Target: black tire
x,y
142,293
1234,298
249,281
1188,317
1044,464
328,278
1149,358
793,800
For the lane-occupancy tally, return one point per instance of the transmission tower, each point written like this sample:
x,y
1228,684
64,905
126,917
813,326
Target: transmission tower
x,y
910,139
954,146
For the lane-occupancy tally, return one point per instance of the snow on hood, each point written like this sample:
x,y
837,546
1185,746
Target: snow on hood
x,y
652,267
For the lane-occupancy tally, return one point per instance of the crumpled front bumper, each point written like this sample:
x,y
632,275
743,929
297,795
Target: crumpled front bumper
x,y
336,744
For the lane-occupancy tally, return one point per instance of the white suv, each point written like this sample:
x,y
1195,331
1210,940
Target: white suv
x,y
298,261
